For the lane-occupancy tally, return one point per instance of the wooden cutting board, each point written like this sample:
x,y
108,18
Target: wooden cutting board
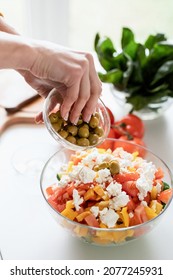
x,y
19,103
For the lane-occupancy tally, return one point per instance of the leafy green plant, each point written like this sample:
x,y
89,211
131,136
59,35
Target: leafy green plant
x,y
143,71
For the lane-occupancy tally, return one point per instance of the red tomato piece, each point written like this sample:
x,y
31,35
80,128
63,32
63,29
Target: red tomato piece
x,y
121,178
159,174
131,205
131,148
139,217
130,188
165,196
91,221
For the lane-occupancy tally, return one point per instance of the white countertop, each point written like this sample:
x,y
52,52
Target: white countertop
x,y
28,231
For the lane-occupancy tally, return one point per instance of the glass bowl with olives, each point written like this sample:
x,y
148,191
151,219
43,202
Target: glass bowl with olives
x,y
80,136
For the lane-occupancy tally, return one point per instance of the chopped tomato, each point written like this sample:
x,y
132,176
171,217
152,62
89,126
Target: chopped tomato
x,y
124,177
159,174
128,145
165,196
91,221
130,188
141,214
131,205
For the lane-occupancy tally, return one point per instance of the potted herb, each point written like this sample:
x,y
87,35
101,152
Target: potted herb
x,y
143,73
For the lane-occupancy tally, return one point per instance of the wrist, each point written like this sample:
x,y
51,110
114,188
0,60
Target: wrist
x,y
16,52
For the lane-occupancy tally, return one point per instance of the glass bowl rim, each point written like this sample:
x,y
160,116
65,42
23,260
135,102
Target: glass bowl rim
x,y
108,229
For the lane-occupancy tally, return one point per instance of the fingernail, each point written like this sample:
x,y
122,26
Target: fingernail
x,y
75,121
87,119
66,116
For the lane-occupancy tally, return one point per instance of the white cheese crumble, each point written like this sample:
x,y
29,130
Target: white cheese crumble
x,y
119,201
114,189
145,182
77,200
103,175
108,217
65,179
86,175
158,187
95,210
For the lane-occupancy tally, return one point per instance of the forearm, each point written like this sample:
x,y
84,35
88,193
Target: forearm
x,y
16,52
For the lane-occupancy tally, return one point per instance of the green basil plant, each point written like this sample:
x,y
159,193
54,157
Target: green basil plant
x,y
143,71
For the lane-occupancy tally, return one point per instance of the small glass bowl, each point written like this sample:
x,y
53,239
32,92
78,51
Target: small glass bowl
x,y
102,236
54,98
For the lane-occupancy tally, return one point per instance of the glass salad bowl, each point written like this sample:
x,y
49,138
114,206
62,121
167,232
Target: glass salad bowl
x,y
124,197
81,135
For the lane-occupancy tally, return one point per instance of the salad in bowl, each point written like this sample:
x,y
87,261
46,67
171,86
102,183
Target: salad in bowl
x,y
107,196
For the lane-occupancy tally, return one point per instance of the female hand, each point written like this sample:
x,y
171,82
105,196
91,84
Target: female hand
x,y
72,73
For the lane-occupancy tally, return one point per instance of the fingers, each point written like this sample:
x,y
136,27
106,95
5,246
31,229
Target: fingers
x,y
84,95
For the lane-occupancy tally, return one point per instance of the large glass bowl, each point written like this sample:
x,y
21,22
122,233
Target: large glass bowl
x,y
52,102
102,236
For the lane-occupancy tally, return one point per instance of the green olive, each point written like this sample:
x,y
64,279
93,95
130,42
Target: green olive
x,y
59,114
85,125
53,117
96,167
71,139
83,132
93,138
72,129
114,167
63,133
99,131
97,115
83,142
103,165
94,122
58,125
80,121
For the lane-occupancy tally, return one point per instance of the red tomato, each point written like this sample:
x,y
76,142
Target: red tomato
x,y
141,214
131,205
112,120
130,188
132,124
139,217
91,221
130,148
165,195
121,178
159,174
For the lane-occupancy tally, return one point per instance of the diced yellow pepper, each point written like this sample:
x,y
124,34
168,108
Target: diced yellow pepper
x,y
82,215
102,225
69,204
131,169
101,151
135,154
89,194
156,206
150,212
70,165
98,190
69,213
103,204
154,193
81,231
125,216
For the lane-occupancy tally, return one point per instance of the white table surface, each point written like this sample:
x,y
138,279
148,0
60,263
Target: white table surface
x,y
28,231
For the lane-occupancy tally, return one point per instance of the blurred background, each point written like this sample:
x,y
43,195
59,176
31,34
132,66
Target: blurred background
x,y
74,22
